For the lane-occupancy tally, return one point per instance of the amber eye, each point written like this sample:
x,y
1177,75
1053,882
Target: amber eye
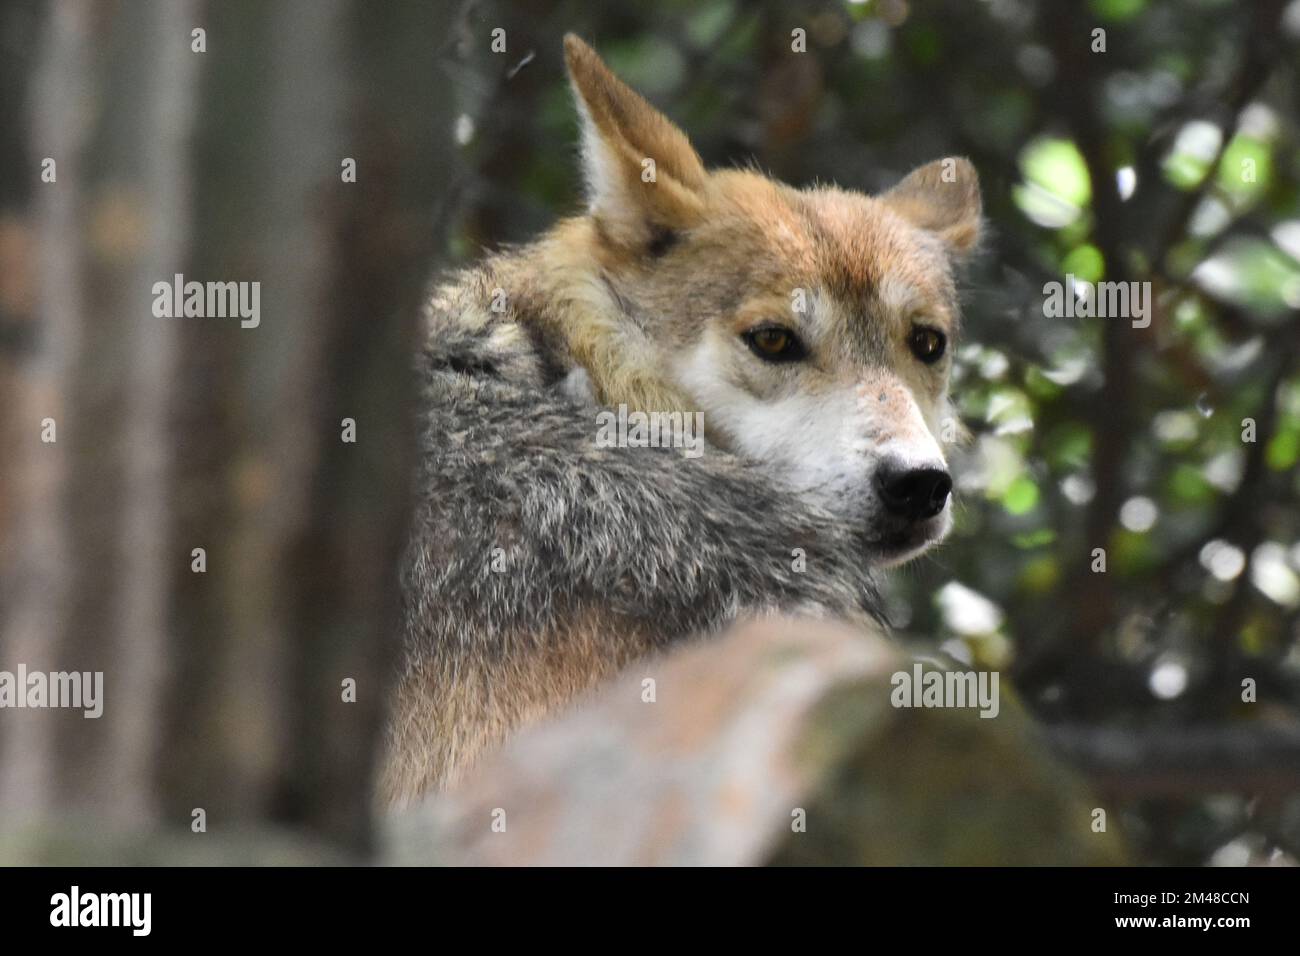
x,y
773,343
927,344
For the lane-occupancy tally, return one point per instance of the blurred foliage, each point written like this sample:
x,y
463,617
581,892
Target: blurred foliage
x,y
1169,158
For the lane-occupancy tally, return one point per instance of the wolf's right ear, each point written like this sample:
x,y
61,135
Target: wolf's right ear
x,y
643,175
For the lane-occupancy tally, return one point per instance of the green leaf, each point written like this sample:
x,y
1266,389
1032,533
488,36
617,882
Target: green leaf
x,y
1117,10
1284,450
1057,166
1021,497
1085,262
1034,539
1247,166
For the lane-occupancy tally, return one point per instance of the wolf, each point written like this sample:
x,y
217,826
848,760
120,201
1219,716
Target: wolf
x,y
811,328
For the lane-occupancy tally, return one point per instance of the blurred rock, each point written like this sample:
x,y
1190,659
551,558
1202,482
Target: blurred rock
x,y
778,722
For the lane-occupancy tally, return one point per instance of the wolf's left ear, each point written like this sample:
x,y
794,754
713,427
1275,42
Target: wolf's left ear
x,y
643,175
942,197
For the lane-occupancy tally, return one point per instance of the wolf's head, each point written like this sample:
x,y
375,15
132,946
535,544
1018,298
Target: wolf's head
x,y
812,327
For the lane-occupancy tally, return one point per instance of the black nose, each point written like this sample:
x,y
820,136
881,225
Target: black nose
x,y
914,493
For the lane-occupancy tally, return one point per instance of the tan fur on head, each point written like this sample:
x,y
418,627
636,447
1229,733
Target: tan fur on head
x,y
657,288
853,277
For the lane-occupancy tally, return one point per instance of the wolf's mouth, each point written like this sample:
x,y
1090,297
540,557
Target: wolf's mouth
x,y
910,540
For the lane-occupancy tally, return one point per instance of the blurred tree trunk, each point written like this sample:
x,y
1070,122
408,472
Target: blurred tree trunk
x,y
223,688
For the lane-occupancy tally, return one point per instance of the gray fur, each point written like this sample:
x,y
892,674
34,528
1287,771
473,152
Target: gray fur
x,y
683,544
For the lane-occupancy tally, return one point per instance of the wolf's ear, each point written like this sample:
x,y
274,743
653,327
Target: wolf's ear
x,y
643,176
942,197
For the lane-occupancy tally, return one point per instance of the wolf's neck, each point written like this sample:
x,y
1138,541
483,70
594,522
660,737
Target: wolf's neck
x,y
572,301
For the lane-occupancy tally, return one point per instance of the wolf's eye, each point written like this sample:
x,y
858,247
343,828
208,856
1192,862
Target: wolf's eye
x,y
772,343
927,344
